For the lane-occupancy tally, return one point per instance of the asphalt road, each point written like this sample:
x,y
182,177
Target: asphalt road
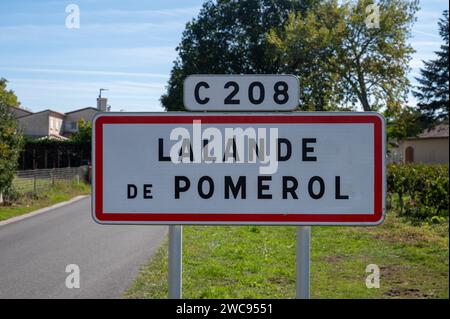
x,y
34,254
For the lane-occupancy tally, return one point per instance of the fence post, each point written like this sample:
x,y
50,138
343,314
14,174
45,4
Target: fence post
x,y
34,182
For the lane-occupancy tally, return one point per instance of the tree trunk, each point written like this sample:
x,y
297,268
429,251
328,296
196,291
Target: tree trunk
x,y
365,102
363,89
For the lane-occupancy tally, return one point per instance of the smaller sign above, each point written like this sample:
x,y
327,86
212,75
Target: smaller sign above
x,y
255,92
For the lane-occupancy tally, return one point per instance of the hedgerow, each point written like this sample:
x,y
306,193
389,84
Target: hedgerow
x,y
421,190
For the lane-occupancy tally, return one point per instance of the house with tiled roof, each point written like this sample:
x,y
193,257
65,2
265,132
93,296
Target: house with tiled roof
x,y
429,147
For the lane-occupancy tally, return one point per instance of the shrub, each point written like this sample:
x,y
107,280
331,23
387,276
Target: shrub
x,y
11,141
10,195
422,190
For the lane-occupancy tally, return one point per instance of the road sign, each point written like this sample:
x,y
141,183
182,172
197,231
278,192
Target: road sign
x,y
241,92
263,168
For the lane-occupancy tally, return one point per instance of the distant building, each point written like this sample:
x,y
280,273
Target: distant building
x,y
19,112
52,124
73,117
429,147
46,123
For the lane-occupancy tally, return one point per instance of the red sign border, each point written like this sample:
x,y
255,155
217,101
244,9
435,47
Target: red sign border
x,y
249,219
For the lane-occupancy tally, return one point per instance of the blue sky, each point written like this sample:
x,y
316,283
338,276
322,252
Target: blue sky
x,y
125,46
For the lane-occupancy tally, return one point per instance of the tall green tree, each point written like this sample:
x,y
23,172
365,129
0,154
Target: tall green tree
x,y
228,37
11,138
432,92
351,53
7,97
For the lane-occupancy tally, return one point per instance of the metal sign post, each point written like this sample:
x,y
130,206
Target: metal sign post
x,y
303,262
175,260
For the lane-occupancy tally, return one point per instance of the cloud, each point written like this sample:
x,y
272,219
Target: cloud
x,y
434,44
102,14
132,59
127,87
38,94
428,34
107,27
86,72
173,12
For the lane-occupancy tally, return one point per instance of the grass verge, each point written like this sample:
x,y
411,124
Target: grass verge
x,y
259,262
60,192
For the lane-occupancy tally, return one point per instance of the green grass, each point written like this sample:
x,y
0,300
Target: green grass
x,y
259,262
60,192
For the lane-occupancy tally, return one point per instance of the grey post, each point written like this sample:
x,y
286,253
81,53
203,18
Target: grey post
x,y
175,261
303,261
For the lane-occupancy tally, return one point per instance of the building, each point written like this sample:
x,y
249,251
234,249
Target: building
x,y
73,117
429,147
41,124
18,112
53,124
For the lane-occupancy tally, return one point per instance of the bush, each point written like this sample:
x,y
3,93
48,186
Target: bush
x,y
11,141
10,195
52,153
422,190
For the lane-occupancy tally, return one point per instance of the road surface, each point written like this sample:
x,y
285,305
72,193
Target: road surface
x,y
34,254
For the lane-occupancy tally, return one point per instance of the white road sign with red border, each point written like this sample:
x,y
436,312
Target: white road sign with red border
x,y
239,168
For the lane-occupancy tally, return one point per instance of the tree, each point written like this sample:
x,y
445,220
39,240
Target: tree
x,y
11,141
433,86
7,97
349,53
402,124
84,134
228,37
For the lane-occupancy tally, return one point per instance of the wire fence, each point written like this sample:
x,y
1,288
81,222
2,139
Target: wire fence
x,y
37,180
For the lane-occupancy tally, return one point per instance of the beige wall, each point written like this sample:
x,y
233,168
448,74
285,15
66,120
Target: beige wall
x,y
35,125
429,151
87,115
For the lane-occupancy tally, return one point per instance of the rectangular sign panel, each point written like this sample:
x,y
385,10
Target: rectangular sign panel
x,y
247,92
272,168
